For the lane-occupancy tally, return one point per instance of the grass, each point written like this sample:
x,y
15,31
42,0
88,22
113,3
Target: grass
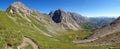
x,y
8,31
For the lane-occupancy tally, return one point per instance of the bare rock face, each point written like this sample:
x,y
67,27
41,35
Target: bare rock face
x,y
64,18
57,16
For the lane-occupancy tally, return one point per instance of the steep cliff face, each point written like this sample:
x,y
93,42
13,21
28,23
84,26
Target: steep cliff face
x,y
64,18
57,16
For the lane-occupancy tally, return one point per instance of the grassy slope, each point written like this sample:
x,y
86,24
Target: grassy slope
x,y
10,32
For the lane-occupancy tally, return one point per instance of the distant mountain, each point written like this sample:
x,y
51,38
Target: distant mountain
x,y
96,22
101,20
91,23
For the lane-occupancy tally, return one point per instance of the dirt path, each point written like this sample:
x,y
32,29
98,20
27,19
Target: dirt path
x,y
27,42
83,41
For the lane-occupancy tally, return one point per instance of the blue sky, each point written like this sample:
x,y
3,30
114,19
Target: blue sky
x,y
90,8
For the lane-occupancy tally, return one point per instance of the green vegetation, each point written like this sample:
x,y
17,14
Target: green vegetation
x,y
8,31
89,26
74,35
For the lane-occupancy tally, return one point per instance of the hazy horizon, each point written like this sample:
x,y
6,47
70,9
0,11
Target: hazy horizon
x,y
89,8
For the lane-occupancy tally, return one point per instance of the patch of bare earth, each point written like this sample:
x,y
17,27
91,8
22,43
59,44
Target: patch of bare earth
x,y
27,42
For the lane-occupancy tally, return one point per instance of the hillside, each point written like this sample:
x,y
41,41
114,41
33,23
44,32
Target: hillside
x,y
106,35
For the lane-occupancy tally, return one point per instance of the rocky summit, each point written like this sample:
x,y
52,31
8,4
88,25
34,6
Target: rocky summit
x,y
64,18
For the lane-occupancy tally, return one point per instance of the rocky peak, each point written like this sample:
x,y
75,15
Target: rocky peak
x,y
56,15
18,7
60,16
51,13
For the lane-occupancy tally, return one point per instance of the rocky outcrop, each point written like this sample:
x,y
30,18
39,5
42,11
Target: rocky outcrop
x,y
64,18
57,15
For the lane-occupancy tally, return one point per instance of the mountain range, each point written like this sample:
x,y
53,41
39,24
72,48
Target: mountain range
x,y
24,28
